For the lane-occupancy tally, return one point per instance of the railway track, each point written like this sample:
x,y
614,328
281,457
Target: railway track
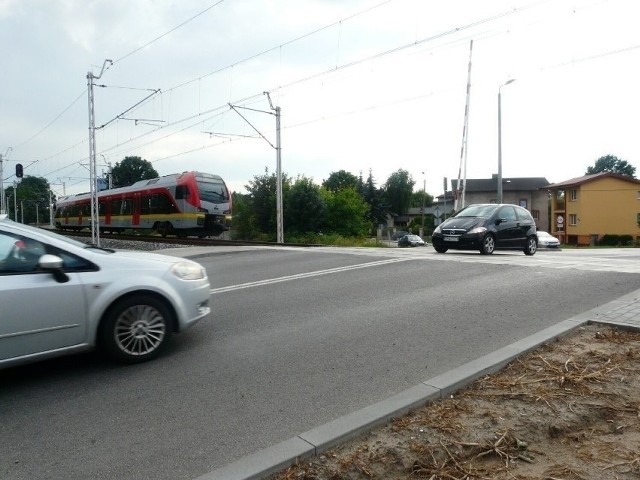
x,y
187,241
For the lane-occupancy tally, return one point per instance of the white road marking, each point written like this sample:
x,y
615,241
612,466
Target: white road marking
x,y
298,276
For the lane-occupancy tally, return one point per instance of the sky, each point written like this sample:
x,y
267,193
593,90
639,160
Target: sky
x,y
362,86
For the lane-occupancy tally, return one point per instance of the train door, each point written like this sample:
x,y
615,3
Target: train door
x,y
135,221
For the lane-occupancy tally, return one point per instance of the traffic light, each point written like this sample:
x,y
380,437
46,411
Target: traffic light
x,y
18,170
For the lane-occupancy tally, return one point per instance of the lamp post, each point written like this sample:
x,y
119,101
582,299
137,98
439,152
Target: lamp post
x,y
424,189
500,137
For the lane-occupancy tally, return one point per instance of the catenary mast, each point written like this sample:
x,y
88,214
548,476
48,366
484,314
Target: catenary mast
x,y
462,169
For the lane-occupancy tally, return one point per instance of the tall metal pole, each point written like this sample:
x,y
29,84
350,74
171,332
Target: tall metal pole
x,y
93,177
499,200
3,205
279,213
424,189
460,190
444,215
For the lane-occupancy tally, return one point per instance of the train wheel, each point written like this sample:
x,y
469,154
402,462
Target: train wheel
x,y
164,228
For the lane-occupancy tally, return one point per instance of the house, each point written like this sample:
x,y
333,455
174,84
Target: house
x,y
528,192
584,209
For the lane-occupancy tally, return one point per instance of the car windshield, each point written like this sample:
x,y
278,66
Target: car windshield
x,y
484,211
48,233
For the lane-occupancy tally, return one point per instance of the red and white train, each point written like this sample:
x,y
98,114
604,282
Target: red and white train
x,y
184,204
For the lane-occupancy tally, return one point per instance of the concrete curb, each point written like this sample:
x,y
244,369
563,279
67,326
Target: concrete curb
x,y
282,455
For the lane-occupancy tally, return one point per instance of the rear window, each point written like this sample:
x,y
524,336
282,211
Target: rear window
x,y
523,214
483,211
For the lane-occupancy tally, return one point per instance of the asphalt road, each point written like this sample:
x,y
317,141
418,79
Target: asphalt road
x,y
297,337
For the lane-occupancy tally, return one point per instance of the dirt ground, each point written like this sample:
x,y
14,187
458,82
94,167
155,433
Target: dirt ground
x,y
569,410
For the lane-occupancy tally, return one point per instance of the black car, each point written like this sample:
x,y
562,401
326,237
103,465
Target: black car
x,y
411,241
487,227
398,235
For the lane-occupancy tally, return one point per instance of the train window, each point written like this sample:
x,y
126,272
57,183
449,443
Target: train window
x,y
182,192
213,191
127,206
116,205
165,205
102,208
145,204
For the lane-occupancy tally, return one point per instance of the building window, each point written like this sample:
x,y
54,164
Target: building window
x,y
523,202
573,219
573,195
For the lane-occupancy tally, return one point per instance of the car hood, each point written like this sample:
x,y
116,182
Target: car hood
x,y
136,260
465,223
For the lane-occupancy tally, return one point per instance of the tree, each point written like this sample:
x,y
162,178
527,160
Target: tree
x,y
416,199
339,180
373,196
33,197
244,220
398,190
262,200
611,163
346,213
131,170
305,207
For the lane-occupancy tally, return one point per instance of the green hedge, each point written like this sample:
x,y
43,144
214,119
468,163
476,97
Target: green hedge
x,y
616,240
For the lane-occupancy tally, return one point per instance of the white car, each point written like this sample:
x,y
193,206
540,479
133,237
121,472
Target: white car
x,y
59,296
546,240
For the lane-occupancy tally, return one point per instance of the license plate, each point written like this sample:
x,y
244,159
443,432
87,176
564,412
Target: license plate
x,y
450,239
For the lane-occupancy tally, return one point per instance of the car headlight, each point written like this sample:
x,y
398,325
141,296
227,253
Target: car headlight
x,y
188,271
477,230
438,229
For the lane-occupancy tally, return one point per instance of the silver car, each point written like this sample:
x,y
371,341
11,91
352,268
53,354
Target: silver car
x,y
545,240
60,296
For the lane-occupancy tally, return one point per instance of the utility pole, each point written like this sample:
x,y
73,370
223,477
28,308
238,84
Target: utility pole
x,y
2,199
278,149
93,179
280,229
424,189
51,212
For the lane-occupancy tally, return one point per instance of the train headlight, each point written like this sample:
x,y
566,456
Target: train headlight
x,y
188,271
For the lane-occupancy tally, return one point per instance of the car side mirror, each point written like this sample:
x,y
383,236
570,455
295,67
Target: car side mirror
x,y
499,220
53,264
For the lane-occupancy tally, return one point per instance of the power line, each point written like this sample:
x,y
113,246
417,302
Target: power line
x,y
52,121
327,72
168,32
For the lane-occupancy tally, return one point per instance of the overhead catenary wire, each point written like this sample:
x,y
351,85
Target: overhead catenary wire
x,y
201,115
313,32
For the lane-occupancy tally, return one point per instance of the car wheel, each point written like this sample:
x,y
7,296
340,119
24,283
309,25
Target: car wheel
x,y
531,247
136,329
440,249
488,245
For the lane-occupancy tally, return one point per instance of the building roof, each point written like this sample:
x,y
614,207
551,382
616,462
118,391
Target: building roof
x,y
574,182
508,184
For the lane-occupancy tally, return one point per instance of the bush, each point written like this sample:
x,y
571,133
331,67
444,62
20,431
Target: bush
x,y
616,240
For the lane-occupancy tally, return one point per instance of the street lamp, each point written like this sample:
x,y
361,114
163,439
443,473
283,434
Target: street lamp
x,y
500,137
424,189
